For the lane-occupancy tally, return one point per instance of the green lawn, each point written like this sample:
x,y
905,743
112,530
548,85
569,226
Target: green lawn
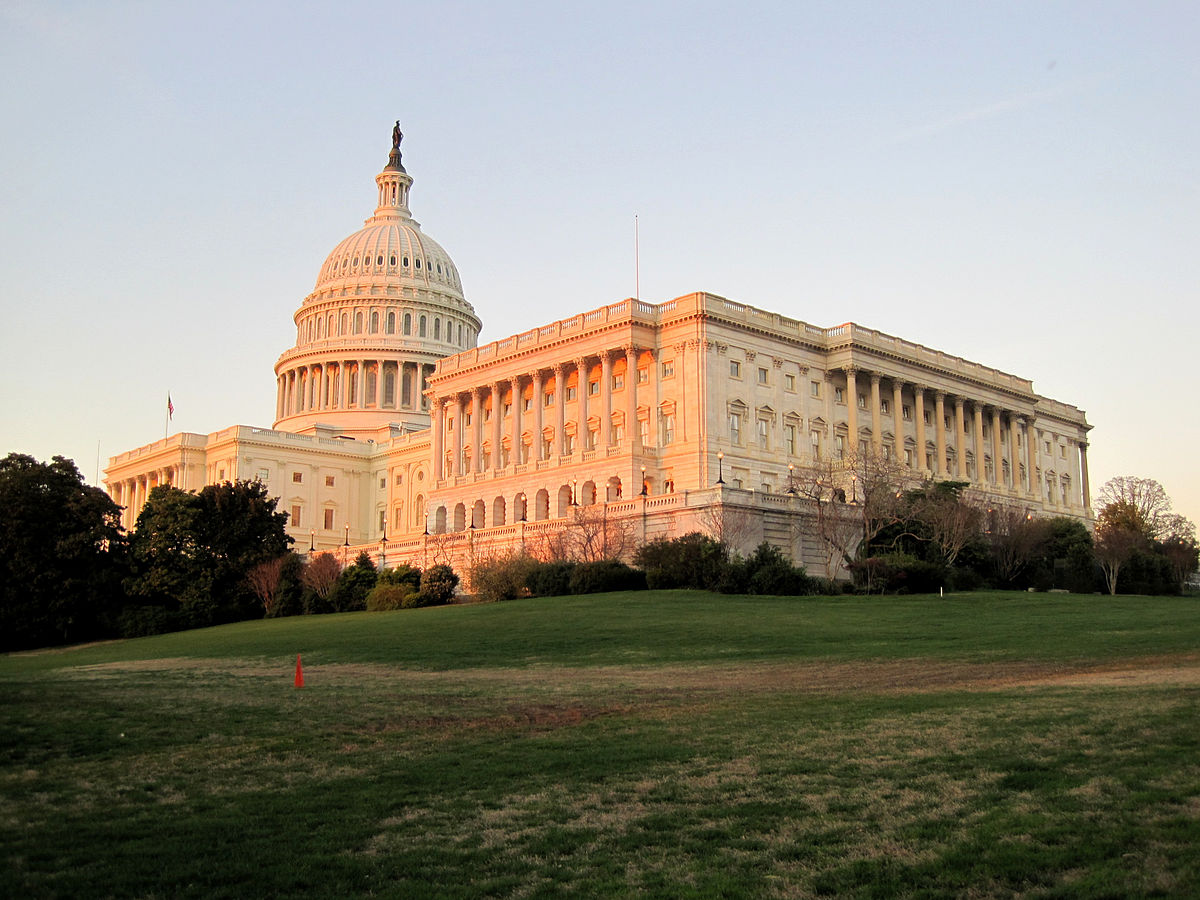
x,y
657,744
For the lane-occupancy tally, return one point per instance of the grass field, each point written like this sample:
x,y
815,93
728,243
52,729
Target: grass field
x,y
669,744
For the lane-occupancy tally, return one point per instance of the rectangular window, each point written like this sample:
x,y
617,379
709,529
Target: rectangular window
x,y
928,417
735,429
668,369
789,382
526,404
668,429
571,392
1047,443
382,519
814,439
593,387
398,518
547,399
294,518
735,369
643,376
814,388
839,396
839,444
908,458
618,382
789,435
862,401
762,375
763,435
328,523
507,408
884,407
906,411
263,475
399,480
570,444
328,481
644,431
1062,452
297,477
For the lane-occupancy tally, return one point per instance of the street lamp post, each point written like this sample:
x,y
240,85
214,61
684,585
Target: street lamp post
x,y
644,492
720,467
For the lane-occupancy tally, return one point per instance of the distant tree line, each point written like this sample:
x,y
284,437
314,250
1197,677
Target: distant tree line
x,y
69,573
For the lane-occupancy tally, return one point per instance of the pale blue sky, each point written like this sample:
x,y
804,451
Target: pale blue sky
x,y
1017,183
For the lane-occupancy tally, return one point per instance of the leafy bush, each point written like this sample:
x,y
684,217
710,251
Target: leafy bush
x,y
694,560
901,573
550,579
402,574
772,573
385,597
438,584
353,585
605,575
142,621
503,577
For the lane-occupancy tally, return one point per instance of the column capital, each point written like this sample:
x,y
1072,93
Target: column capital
x,y
875,379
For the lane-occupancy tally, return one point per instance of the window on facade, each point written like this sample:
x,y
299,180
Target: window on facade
x,y
862,401
358,322
294,518
548,398
526,404
1047,445
1062,452
408,323
735,429
789,436
374,322
618,382
399,480
328,481
437,329
908,458
906,412
735,369
644,431
421,327
643,376
391,323
618,433
839,445
382,520
814,388
593,387
839,396
668,425
928,417
762,375
884,407
814,439
297,477
763,435
789,382
668,369
571,392
328,523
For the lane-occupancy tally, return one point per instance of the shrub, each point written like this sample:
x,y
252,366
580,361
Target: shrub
x,y
141,621
403,574
550,579
385,597
353,585
605,575
694,560
438,584
502,578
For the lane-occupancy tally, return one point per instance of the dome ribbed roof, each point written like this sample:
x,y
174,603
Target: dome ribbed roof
x,y
393,251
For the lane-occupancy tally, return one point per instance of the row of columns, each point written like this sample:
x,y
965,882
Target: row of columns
x,y
540,380
1017,422
343,384
132,493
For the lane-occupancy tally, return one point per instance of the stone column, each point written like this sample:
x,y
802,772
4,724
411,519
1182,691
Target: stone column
x,y
362,385
653,380
919,420
1035,487
560,409
980,468
1014,461
456,466
581,379
939,431
606,399
1083,474
960,442
876,416
538,400
497,427
632,433
898,418
476,429
851,411
997,461
515,440
438,416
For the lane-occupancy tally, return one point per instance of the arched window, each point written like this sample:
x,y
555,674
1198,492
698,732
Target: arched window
x,y
358,323
421,327
374,322
437,329
391,323
408,323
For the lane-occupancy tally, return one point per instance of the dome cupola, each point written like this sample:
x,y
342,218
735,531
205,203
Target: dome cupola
x,y
387,305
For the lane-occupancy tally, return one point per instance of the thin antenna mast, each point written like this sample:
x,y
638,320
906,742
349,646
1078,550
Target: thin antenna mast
x,y
637,261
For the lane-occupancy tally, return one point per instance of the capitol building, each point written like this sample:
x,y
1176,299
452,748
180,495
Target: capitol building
x,y
395,432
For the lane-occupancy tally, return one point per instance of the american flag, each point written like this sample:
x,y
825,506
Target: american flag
x,y
170,407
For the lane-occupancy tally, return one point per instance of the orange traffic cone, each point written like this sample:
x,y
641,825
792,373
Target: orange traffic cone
x,y
299,672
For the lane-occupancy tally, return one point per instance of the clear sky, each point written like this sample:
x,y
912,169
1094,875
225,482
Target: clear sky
x,y
1017,183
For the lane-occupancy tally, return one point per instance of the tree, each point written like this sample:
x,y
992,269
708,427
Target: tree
x,y
1115,545
1134,503
1014,537
1180,548
263,579
948,516
191,552
321,574
61,554
353,585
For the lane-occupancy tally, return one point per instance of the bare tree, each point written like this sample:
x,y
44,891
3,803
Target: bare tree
x,y
836,523
877,488
321,574
1180,548
951,519
1132,502
588,535
733,526
1014,536
1114,545
264,581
